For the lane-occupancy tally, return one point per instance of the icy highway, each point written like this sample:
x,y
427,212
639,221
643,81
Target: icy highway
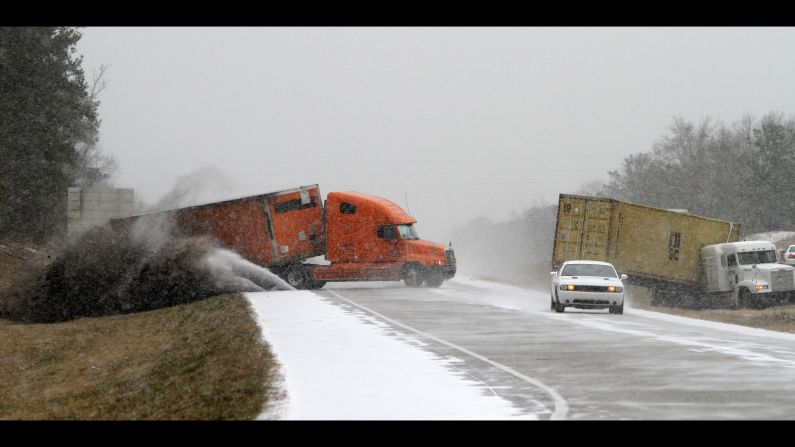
x,y
586,364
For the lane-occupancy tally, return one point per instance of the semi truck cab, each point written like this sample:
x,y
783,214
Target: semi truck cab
x,y
369,238
749,271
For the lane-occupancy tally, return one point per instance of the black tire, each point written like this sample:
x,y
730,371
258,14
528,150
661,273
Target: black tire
x,y
744,298
617,309
298,277
434,280
317,284
413,276
552,302
560,308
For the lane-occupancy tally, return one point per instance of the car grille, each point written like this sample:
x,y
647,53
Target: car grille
x,y
590,288
780,280
591,302
449,257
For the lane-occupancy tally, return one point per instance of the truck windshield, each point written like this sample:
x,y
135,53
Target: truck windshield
x,y
408,232
757,257
589,270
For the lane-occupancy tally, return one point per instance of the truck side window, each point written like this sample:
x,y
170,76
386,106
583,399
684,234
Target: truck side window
x,y
723,260
732,260
386,232
347,208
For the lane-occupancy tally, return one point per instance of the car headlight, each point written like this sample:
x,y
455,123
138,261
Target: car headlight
x,y
567,287
614,289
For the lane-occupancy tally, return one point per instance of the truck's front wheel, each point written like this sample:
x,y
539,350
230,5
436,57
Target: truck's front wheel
x,y
434,280
744,298
413,276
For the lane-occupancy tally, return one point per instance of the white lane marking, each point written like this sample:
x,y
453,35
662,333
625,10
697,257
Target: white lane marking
x,y
561,406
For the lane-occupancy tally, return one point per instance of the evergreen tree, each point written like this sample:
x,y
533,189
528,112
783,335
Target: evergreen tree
x,y
47,117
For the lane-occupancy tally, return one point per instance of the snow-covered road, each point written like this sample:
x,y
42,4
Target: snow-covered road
x,y
480,350
343,364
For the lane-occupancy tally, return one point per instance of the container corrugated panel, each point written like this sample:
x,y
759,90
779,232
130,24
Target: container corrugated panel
x,y
639,240
583,228
272,228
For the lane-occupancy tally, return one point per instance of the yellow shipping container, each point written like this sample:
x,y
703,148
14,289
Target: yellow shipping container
x,y
641,241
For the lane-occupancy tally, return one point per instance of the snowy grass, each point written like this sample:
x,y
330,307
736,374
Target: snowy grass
x,y
203,360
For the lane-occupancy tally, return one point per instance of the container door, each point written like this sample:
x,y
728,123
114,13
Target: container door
x,y
582,229
296,224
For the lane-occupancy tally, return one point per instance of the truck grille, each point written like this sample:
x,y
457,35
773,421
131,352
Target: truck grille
x,y
781,280
449,257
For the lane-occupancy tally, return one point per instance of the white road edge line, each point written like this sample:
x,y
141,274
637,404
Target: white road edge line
x,y
561,406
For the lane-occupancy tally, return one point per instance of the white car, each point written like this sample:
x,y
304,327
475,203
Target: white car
x,y
788,256
587,285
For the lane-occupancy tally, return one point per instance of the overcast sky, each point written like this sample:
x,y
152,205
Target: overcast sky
x,y
462,122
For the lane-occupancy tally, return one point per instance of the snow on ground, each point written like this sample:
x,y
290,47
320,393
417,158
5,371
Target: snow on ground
x,y
752,344
518,298
340,363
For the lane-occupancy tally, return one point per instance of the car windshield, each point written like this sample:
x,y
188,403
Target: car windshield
x,y
408,232
589,270
757,257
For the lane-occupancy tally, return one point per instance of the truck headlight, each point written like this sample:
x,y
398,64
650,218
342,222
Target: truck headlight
x,y
759,287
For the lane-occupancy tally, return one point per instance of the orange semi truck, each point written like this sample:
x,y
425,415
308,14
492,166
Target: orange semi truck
x,y
363,237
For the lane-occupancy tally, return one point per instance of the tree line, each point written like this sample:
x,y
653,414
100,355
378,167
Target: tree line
x,y
49,129
739,172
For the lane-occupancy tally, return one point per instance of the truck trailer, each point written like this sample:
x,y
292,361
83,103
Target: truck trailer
x,y
350,236
683,259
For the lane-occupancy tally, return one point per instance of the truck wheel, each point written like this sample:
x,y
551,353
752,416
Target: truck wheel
x,y
298,277
318,284
744,299
413,276
434,280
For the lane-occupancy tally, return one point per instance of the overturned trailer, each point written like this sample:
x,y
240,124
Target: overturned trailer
x,y
682,258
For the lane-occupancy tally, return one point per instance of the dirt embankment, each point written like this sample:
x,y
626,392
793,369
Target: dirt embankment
x,y
203,360
132,331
